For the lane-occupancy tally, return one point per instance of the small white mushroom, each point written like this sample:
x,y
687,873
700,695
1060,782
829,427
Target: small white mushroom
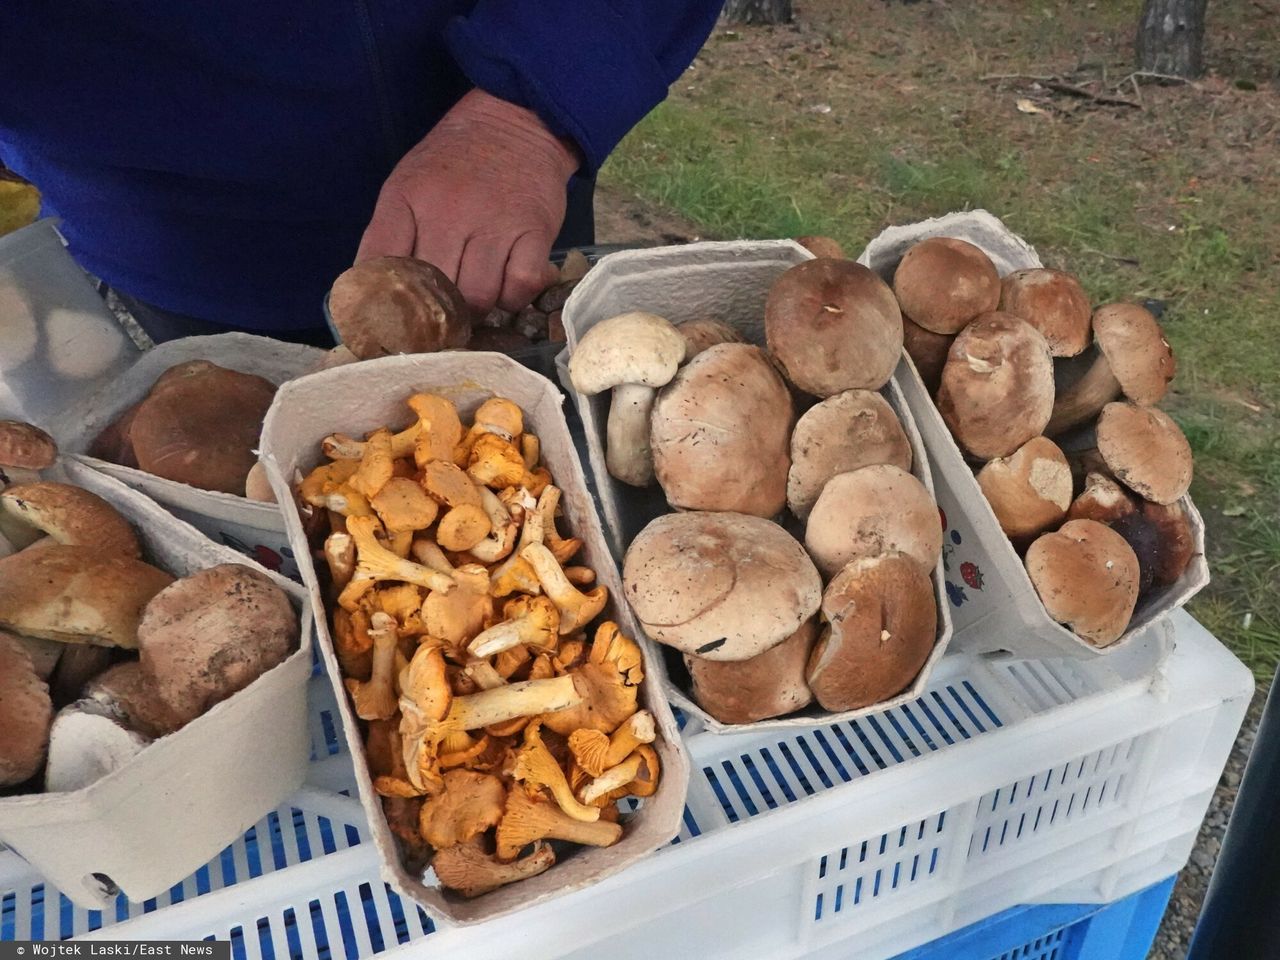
x,y
86,744
631,354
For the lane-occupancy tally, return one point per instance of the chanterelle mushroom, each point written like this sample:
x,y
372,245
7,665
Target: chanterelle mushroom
x,y
527,819
375,563
470,804
25,714
375,698
1087,577
632,354
532,621
942,283
596,751
607,685
536,767
71,516
472,872
1134,359
577,609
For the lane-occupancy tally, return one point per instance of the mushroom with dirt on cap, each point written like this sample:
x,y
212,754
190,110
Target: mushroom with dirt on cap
x,y
1145,450
943,283
1134,360
631,354
1087,578
1051,301
834,326
1029,491
997,385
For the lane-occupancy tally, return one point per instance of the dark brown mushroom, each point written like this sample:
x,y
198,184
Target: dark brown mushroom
x,y
943,283
1054,303
392,305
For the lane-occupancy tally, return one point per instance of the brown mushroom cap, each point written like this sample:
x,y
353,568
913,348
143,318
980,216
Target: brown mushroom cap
x,y
771,684
1145,450
213,633
927,350
26,713
997,386
873,511
835,326
201,428
851,430
703,333
392,305
71,516
720,433
26,446
1030,490
1054,303
115,444
1087,578
1177,544
1136,349
77,595
1102,499
723,586
943,283
882,622
128,692
822,247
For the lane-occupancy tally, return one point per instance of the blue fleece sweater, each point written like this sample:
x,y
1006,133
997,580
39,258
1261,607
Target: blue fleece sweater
x,y
221,158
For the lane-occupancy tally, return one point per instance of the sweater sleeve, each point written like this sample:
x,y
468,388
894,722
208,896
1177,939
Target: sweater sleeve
x,y
590,70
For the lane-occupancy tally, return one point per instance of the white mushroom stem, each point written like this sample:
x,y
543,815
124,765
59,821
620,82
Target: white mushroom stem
x,y
627,453
502,530
1084,399
612,779
484,675
85,746
526,699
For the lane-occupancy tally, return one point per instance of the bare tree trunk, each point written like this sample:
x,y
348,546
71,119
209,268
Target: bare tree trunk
x,y
757,11
1171,37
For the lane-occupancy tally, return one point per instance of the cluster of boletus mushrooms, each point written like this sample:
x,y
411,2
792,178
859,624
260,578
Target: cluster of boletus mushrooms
x,y
101,652
500,709
1084,474
749,444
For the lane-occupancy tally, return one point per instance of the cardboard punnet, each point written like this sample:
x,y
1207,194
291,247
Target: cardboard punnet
x,y
727,281
996,609
175,805
252,528
361,397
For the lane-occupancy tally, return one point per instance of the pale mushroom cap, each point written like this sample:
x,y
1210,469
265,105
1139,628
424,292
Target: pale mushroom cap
x,y
882,623
703,333
392,305
25,714
851,430
870,512
1030,490
943,283
85,746
635,347
771,684
720,433
997,386
1134,344
213,633
834,325
1054,303
27,446
77,595
724,586
1102,499
1146,451
71,516
1087,578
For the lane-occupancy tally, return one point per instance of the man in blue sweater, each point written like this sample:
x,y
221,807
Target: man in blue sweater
x,y
218,164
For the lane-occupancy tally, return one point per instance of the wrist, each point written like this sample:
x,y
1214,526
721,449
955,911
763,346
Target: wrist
x,y
505,121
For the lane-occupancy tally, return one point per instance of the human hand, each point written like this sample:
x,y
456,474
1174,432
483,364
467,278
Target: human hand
x,y
481,197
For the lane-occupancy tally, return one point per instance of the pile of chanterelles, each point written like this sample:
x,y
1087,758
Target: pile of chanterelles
x,y
499,715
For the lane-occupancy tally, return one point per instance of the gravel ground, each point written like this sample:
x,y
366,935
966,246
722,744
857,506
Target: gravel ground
x,y
1180,920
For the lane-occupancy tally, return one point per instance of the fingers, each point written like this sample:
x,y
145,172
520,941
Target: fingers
x,y
528,271
480,272
391,231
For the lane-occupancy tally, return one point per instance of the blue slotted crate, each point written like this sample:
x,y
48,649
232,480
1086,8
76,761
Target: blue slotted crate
x,y
1122,930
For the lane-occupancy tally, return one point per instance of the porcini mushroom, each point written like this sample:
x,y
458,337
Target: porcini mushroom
x,y
723,586
131,695
927,350
469,804
1029,491
869,512
720,433
770,684
532,621
25,446
703,333
391,305
77,595
1145,450
595,751
853,429
1087,578
631,354
577,609
834,325
467,869
1134,359
997,385
257,486
942,283
25,714
1177,543
213,633
85,746
71,515
1102,499
527,819
822,246
1051,301
881,624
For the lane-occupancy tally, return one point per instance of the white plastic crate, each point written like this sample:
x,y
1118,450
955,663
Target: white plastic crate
x,y
1008,782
